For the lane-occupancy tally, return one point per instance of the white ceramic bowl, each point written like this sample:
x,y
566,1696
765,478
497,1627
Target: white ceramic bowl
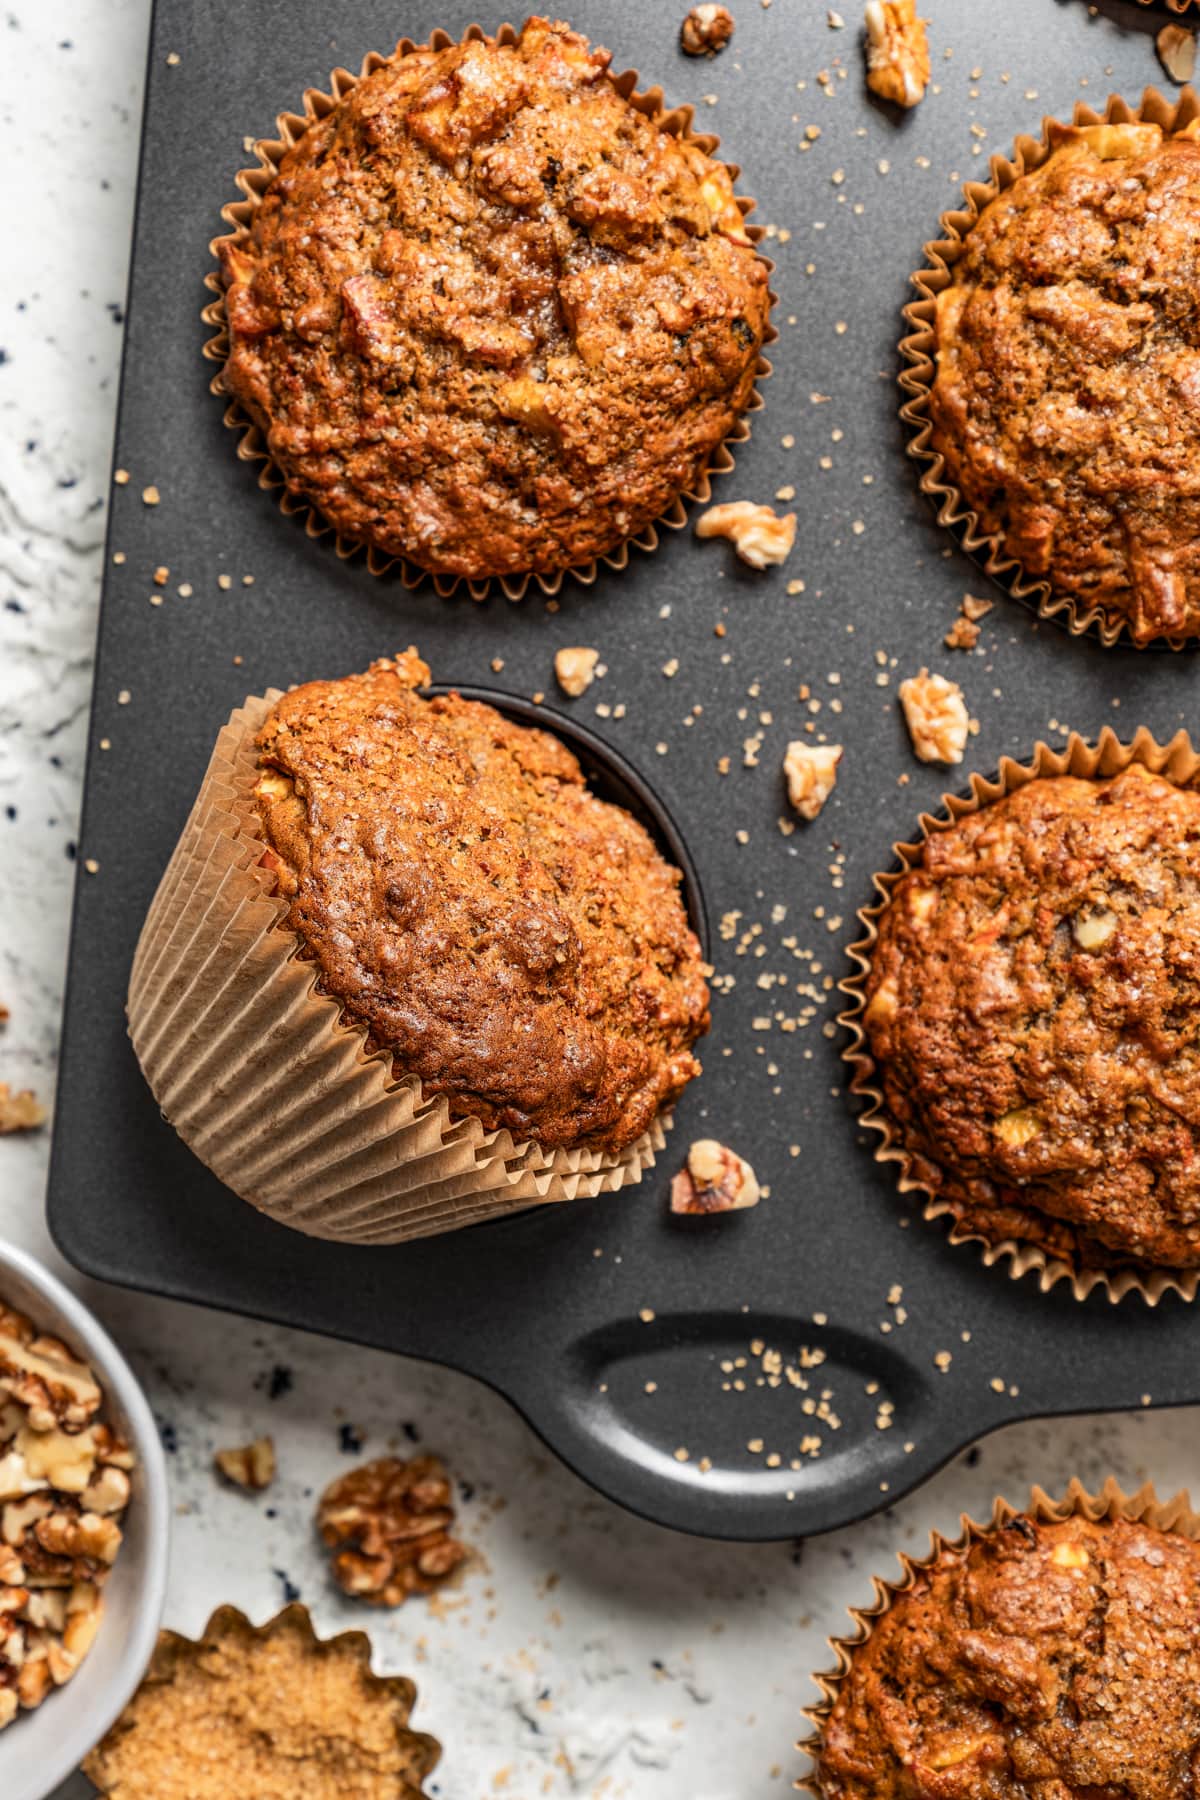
x,y
40,1749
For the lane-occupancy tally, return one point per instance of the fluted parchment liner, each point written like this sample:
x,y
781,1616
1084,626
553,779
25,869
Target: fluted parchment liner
x,y
919,350
270,1087
1108,756
1143,1507
238,214
227,1622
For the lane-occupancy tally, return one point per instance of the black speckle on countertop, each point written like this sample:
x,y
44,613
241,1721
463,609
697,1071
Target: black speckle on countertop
x,y
290,1590
349,1440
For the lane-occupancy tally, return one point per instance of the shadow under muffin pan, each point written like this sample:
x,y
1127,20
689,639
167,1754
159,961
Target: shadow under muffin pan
x,y
574,1311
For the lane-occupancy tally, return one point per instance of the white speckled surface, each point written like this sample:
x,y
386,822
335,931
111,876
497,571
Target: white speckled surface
x,y
587,1653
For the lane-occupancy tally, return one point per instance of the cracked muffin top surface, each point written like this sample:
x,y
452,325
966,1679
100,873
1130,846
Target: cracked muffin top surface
x,y
1067,396
1056,1661
490,317
1033,1014
517,943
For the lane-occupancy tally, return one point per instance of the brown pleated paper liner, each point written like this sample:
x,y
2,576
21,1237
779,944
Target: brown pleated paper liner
x,y
238,214
270,1087
1173,6
1180,763
1111,1503
919,350
174,1654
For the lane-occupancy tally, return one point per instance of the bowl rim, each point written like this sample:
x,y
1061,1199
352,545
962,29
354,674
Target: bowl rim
x,y
76,1321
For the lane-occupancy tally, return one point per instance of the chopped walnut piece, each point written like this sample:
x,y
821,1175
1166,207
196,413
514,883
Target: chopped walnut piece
x,y
389,1525
575,669
714,1180
811,771
936,715
759,534
962,635
974,608
706,30
60,1493
21,1111
1176,47
249,1465
1092,929
897,51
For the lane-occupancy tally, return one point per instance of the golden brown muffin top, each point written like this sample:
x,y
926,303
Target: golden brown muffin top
x,y
489,316
511,939
1034,1017
1067,399
1045,1662
268,1714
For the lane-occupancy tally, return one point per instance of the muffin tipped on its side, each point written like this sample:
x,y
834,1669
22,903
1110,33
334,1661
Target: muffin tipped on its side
x,y
518,944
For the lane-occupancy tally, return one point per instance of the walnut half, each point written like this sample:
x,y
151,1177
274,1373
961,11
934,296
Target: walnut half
x,y
897,51
936,715
389,1525
811,771
715,1180
759,534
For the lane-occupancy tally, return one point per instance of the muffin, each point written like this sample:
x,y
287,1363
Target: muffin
x,y
1049,1658
1032,1016
1066,400
406,971
518,944
488,315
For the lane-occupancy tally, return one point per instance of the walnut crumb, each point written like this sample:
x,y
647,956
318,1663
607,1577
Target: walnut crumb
x,y
706,30
249,1465
1176,47
974,608
389,1526
715,1180
936,715
962,635
811,771
759,534
575,669
20,1111
897,51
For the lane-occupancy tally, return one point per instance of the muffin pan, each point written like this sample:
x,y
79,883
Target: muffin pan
x,y
609,1323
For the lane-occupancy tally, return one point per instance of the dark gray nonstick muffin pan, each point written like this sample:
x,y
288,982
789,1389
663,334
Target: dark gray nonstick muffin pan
x,y
681,1365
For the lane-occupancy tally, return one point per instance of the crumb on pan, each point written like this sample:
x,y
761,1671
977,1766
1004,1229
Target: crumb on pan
x,y
759,534
897,51
715,1179
575,669
811,772
706,29
936,715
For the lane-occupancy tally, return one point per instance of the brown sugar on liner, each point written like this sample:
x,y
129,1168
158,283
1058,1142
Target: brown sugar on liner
x,y
253,183
121,1763
1180,763
274,1090
919,350
1111,1503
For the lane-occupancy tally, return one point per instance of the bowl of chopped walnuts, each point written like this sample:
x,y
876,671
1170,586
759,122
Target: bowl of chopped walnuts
x,y
83,1529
